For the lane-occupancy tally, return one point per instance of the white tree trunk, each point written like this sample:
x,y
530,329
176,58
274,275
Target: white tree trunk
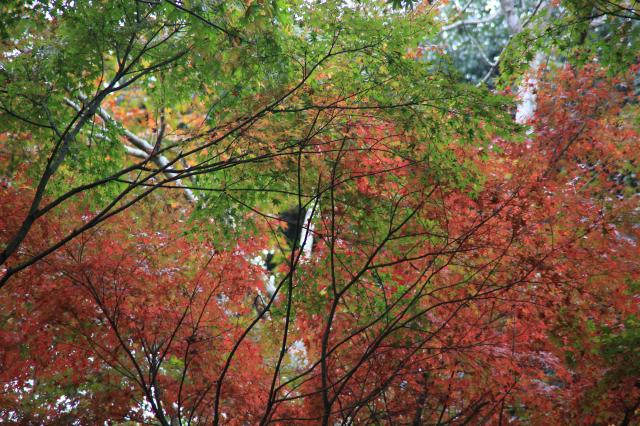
x,y
526,106
308,227
511,16
143,149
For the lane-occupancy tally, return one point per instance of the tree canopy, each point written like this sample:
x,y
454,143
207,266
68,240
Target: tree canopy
x,y
319,212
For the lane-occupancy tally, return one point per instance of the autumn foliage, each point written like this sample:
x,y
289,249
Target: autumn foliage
x,y
464,271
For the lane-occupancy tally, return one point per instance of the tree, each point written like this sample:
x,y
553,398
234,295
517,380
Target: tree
x,y
293,213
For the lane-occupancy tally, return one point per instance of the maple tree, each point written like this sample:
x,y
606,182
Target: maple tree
x,y
298,213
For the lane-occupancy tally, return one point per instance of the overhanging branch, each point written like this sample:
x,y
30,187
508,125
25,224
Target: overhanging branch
x,y
143,149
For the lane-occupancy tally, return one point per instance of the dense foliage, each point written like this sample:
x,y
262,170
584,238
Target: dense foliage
x,y
332,212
